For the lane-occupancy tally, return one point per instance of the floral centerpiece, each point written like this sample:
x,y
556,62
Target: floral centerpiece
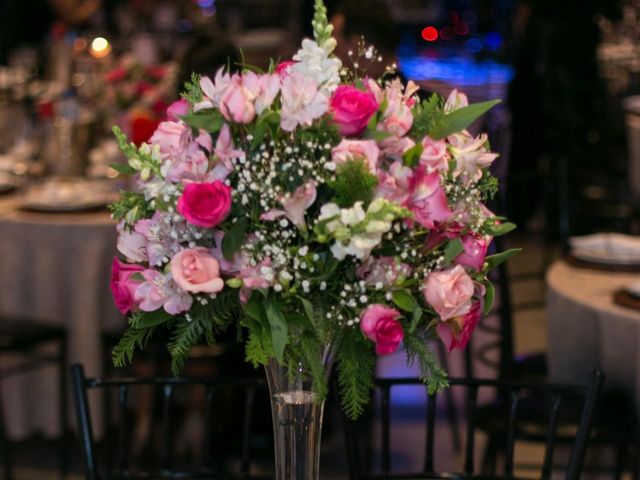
x,y
324,213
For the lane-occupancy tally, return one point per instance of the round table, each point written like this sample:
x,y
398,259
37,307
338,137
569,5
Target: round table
x,y
587,330
55,269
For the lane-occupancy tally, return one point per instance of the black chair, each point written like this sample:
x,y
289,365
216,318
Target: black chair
x,y
25,337
559,398
115,459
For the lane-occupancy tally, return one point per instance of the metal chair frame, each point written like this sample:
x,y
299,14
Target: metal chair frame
x,y
82,384
515,390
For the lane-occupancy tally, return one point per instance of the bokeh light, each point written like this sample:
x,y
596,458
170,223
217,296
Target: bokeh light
x,y
100,47
430,34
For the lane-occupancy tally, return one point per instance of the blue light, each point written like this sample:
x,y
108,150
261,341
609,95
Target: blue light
x,y
493,40
456,70
474,45
205,3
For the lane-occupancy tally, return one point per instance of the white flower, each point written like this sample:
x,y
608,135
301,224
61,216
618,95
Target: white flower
x,y
471,155
302,102
314,62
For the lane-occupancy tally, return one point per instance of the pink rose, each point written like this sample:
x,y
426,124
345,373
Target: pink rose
x,y
205,204
475,250
195,270
236,104
123,287
449,292
351,149
434,155
171,137
352,109
380,324
456,332
284,68
177,109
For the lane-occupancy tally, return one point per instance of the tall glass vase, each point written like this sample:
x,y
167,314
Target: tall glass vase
x,y
297,412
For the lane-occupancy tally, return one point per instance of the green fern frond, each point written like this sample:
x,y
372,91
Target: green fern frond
x,y
192,92
133,338
355,373
427,116
431,373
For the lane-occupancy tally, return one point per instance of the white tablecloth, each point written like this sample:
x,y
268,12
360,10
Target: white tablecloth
x,y
587,331
55,269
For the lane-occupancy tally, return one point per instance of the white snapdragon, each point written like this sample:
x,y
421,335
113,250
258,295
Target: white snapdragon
x,y
313,61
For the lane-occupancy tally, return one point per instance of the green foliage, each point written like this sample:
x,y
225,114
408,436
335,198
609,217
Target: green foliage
x,y
493,261
192,92
419,352
132,339
412,156
404,300
209,120
258,348
322,29
488,186
356,369
428,115
460,119
354,182
279,328
311,351
130,207
127,148
452,250
234,238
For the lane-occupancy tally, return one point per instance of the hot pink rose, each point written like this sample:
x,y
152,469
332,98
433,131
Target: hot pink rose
x,y
380,324
350,149
352,109
456,332
434,155
205,204
123,287
236,104
195,270
449,292
177,109
475,250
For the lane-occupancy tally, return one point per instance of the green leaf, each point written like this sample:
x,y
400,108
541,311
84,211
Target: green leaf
x,y
493,261
123,169
412,156
267,119
488,298
151,319
417,316
404,300
308,310
460,119
377,135
254,308
234,238
208,120
279,331
497,229
452,250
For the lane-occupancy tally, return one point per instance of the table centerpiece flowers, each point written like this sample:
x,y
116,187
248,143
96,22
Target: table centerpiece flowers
x,y
325,214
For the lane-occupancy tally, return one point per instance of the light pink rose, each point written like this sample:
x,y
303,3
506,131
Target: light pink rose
x,y
434,155
302,102
195,270
160,291
205,204
380,324
427,200
123,287
475,250
177,109
352,109
456,332
384,271
351,149
295,205
171,137
449,292
455,101
236,103
284,68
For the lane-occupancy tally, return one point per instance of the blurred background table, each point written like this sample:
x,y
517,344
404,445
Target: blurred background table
x,y
56,270
587,330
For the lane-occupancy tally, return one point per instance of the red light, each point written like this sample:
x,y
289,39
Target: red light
x,y
461,28
446,33
430,34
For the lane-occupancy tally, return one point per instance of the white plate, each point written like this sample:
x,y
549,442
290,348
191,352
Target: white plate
x,y
607,248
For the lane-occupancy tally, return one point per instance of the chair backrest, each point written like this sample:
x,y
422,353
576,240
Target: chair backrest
x,y
217,427
580,401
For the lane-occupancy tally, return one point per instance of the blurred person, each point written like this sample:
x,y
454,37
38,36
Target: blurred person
x,y
557,98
